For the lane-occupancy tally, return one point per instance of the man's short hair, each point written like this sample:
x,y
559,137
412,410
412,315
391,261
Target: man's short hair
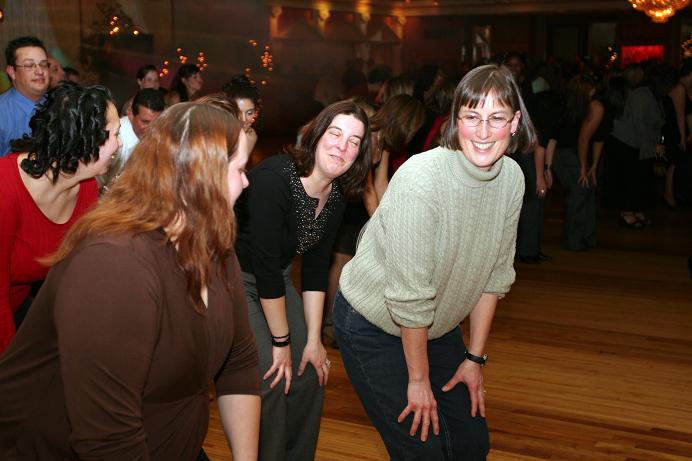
x,y
20,42
150,98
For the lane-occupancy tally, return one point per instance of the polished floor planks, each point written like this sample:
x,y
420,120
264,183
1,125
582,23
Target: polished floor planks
x,y
590,359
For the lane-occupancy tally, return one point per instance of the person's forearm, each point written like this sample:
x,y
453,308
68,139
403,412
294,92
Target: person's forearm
x,y
539,161
240,416
597,151
415,343
370,197
313,304
678,96
583,149
382,175
550,152
480,320
275,313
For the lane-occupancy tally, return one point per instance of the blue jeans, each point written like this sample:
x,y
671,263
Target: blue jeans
x,y
376,366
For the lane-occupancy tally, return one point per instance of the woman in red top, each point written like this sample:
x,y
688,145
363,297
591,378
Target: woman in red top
x,y
46,185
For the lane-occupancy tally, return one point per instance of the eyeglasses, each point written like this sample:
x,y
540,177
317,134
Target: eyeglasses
x,y
494,121
31,65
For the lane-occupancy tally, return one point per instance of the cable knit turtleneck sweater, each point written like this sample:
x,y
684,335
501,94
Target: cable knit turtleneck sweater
x,y
443,234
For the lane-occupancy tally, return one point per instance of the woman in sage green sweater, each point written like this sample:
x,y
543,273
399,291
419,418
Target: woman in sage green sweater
x,y
439,248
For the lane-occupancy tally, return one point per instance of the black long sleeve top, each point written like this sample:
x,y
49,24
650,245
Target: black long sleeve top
x,y
276,221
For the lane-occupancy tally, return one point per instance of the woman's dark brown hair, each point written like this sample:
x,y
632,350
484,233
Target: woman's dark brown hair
x,y
472,91
397,121
353,181
176,180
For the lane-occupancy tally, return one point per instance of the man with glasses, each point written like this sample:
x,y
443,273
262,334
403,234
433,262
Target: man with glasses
x,y
27,67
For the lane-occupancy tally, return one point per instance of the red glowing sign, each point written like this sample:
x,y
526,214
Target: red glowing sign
x,y
635,54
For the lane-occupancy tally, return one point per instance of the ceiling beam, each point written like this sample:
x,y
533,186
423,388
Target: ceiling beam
x,y
456,7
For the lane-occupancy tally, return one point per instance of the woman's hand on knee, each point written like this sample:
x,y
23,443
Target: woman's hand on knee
x,y
316,354
281,364
421,401
471,375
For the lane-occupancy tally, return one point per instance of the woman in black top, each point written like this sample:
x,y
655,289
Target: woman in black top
x,y
293,207
579,229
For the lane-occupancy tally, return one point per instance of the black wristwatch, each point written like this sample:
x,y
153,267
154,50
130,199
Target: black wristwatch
x,y
480,360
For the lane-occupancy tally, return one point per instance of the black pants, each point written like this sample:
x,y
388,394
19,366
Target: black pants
x,y
290,424
630,182
580,202
530,229
376,366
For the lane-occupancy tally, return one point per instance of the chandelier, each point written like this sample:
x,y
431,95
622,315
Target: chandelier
x,y
659,10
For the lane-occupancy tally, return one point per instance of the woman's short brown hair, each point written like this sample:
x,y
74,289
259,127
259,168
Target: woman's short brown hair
x,y
353,181
472,91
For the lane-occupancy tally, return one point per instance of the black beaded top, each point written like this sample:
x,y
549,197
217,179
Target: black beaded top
x,y
310,229
276,221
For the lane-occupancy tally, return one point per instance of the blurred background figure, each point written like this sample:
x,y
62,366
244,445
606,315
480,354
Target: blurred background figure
x,y
186,85
393,86
145,109
72,75
579,229
147,77
246,97
637,143
56,72
328,87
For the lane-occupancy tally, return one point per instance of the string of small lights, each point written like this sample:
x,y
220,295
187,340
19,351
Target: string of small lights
x,y
201,61
266,63
118,25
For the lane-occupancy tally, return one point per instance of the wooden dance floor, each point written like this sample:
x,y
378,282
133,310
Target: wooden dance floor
x,y
590,356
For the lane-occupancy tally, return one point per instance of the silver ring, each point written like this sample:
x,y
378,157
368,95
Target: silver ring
x,y
328,363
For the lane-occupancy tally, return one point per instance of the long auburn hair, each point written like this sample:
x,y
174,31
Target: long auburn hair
x,y
176,180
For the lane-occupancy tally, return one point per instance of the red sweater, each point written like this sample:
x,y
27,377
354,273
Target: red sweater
x,y
26,234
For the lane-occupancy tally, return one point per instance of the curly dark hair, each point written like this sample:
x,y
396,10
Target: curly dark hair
x,y
68,127
352,182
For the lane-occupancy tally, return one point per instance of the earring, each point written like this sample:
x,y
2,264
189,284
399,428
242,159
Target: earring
x,y
513,133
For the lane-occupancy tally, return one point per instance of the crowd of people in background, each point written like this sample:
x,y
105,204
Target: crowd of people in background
x,y
141,262
605,135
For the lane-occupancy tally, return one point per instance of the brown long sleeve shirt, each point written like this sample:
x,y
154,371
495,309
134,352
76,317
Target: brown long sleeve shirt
x,y
113,363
